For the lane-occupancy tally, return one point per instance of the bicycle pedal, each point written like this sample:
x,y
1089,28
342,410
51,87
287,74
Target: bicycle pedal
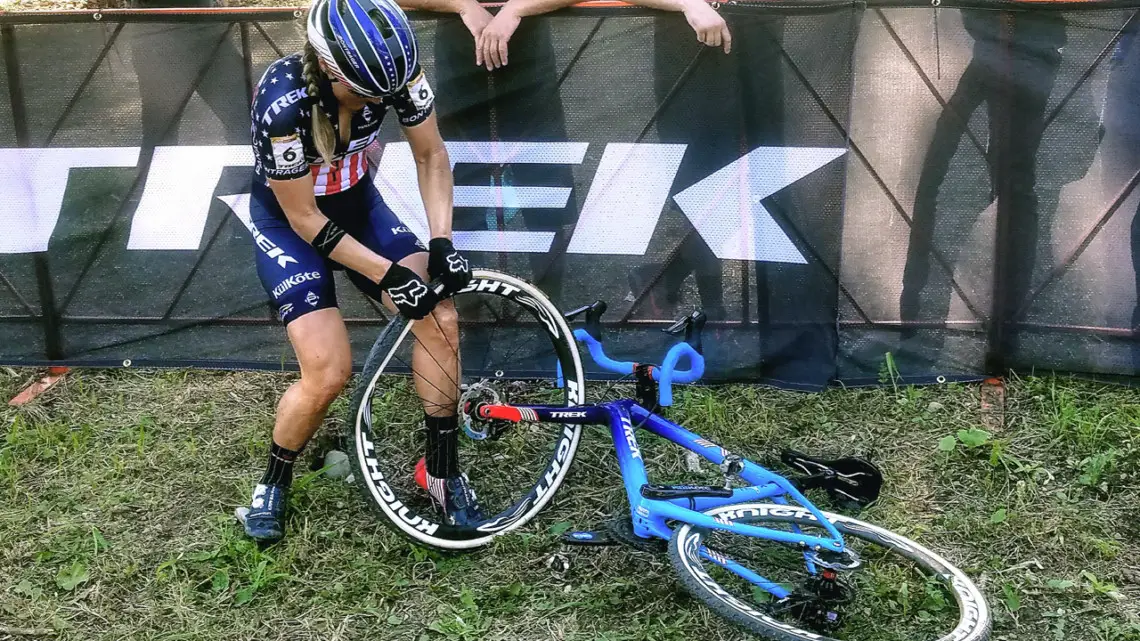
x,y
666,492
593,538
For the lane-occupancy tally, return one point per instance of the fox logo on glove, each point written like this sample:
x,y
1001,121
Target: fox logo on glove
x,y
457,264
409,293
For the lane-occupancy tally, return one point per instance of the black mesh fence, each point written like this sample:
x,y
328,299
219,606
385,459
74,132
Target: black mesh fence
x,y
950,185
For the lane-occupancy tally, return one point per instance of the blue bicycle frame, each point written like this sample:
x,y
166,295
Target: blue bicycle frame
x,y
651,516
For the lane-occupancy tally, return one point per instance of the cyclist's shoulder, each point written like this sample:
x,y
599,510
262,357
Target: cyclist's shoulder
x,y
281,98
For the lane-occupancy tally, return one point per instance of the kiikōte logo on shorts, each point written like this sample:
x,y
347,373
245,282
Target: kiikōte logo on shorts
x,y
295,279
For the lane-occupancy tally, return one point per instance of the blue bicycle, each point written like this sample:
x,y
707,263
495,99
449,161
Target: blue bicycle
x,y
751,547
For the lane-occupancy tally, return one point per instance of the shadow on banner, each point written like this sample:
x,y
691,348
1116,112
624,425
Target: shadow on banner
x,y
947,187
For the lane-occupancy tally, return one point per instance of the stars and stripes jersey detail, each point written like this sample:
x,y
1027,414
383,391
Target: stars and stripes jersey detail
x,y
283,147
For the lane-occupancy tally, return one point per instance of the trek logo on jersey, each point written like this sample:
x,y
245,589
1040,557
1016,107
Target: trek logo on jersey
x,y
409,293
276,106
295,279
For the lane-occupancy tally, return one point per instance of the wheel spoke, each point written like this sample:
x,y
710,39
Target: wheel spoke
x,y
896,594
506,468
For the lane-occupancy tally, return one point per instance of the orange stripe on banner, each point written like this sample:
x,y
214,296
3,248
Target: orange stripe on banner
x,y
106,13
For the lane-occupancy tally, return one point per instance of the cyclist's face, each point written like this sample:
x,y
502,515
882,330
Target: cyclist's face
x,y
350,98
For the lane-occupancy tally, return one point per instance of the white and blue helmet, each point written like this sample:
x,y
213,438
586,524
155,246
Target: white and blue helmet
x,y
366,44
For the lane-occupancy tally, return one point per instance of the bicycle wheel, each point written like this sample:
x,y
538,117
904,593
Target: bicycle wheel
x,y
899,591
513,343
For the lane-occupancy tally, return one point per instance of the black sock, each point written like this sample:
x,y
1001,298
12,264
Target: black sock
x,y
442,446
280,468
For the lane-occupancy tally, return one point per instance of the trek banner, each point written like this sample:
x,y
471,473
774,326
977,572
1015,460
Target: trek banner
x,y
853,192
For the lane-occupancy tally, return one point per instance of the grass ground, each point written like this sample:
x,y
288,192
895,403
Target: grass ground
x,y
116,489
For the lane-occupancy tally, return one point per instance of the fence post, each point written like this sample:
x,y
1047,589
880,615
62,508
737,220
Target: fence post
x,y
53,341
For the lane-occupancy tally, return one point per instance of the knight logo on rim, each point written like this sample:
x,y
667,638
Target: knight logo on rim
x,y
387,496
547,481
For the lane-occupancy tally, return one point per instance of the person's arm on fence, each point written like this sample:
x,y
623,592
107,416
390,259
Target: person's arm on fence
x,y
491,45
474,16
710,27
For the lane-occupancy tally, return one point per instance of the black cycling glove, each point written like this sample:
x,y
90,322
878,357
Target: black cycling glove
x,y
446,264
409,292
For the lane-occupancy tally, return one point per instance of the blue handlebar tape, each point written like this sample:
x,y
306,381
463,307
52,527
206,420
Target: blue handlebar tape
x,y
666,374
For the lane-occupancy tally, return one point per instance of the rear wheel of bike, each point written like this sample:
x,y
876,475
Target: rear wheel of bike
x,y
514,343
900,591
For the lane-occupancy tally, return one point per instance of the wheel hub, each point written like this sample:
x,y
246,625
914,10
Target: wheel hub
x,y
473,396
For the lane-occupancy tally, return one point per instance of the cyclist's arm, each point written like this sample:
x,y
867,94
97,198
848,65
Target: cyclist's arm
x,y
300,204
433,169
414,105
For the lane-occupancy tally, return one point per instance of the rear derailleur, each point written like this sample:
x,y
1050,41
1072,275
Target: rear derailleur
x,y
818,603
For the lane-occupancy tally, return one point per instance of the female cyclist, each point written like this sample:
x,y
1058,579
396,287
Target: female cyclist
x,y
315,209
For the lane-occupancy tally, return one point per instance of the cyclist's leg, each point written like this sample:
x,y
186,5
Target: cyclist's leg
x,y
435,356
435,360
299,282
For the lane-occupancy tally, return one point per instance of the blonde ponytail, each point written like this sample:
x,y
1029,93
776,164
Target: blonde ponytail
x,y
324,138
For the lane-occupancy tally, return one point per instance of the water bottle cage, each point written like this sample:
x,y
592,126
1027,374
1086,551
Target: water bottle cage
x,y
646,391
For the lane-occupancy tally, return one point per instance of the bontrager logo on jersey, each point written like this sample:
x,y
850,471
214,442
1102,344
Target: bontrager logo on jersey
x,y
295,279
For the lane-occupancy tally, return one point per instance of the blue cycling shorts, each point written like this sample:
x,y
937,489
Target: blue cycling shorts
x,y
297,278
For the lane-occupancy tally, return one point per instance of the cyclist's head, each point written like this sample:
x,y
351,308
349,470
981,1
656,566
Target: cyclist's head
x,y
367,45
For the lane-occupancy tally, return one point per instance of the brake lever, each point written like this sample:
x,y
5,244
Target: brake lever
x,y
593,313
692,325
